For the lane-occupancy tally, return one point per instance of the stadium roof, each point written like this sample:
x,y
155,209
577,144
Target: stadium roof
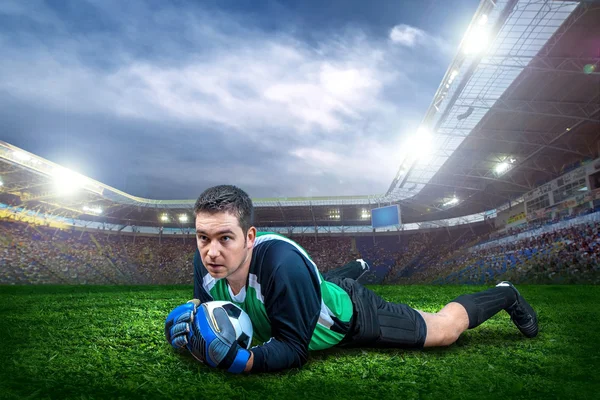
x,y
513,117
525,102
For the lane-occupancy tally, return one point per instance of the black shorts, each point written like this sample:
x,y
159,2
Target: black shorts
x,y
378,323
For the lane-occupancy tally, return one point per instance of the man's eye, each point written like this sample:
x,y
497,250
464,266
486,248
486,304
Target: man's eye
x,y
225,238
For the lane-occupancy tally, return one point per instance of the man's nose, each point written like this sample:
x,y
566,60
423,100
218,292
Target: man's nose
x,y
213,249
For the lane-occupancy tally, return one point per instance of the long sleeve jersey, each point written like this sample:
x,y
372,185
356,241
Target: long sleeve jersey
x,y
292,308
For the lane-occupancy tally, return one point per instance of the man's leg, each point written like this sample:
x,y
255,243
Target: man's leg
x,y
471,310
353,270
378,323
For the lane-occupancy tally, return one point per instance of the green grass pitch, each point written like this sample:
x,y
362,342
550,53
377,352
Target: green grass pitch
x,y
81,342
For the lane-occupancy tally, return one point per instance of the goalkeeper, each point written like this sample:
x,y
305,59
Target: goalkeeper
x,y
294,309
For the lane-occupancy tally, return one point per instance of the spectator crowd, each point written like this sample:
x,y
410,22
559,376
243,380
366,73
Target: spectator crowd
x,y
39,254
31,254
563,255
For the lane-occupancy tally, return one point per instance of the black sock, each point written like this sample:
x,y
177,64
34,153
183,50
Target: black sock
x,y
484,305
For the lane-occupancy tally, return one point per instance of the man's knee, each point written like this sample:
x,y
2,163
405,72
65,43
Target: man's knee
x,y
442,329
449,337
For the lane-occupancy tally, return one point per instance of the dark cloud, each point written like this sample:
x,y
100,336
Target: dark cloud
x,y
164,99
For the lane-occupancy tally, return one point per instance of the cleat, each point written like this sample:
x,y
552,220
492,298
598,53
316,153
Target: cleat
x,y
363,264
521,313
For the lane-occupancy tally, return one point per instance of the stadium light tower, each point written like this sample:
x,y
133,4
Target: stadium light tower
x,y
183,218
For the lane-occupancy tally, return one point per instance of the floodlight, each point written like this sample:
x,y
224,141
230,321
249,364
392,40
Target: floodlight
x,y
476,41
505,165
420,146
365,214
453,74
451,202
92,210
1,183
183,218
66,181
164,218
19,155
477,38
502,167
334,214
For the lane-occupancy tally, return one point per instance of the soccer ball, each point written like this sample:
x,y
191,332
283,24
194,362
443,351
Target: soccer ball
x,y
238,318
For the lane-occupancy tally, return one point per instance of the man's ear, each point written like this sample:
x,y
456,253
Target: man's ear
x,y
251,237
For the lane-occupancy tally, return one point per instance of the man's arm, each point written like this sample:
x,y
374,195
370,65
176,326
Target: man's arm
x,y
292,299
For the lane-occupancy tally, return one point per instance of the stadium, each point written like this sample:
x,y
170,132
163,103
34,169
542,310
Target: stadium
x,y
500,182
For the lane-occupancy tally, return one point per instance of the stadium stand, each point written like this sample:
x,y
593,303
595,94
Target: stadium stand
x,y
559,251
562,251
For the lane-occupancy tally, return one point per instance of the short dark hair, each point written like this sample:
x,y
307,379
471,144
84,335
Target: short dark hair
x,y
230,199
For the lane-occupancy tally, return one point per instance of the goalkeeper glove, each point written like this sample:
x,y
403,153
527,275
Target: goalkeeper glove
x,y
177,324
213,341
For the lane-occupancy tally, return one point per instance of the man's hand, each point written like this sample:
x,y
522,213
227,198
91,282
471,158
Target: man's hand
x,y
177,324
212,341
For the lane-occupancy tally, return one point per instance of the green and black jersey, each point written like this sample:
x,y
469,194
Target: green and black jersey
x,y
292,308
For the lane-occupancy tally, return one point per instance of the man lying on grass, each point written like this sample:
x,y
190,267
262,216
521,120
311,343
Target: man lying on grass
x,y
293,309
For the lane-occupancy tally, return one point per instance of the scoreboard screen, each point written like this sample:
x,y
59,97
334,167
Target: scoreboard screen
x,y
385,216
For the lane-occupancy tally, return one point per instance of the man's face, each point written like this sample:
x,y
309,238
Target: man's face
x,y
223,247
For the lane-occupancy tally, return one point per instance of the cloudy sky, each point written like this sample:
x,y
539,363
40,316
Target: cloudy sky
x,y
282,98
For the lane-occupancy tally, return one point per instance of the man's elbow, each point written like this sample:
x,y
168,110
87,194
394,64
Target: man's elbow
x,y
301,358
